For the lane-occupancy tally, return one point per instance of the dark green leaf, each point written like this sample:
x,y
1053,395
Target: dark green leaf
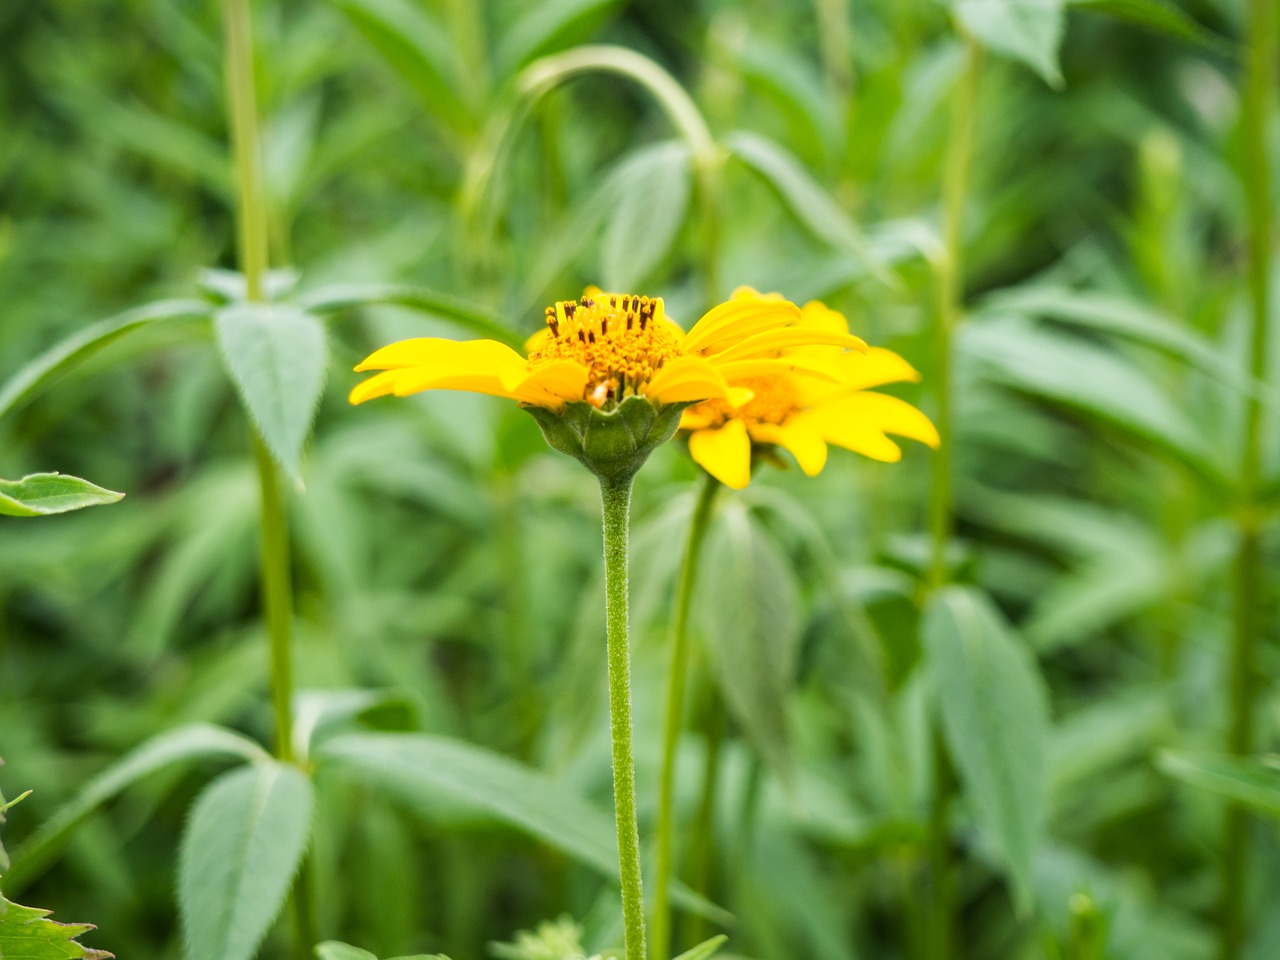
x,y
57,360
705,949
466,315
26,933
995,715
1029,31
243,844
545,26
277,355
42,494
1160,16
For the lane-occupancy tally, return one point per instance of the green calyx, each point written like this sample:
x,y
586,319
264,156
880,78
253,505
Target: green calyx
x,y
613,444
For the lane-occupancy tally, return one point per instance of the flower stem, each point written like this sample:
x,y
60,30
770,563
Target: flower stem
x,y
247,146
615,498
677,672
1260,68
955,190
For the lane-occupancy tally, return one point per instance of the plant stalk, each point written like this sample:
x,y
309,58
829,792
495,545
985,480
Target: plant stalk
x,y
247,146
950,285
615,498
1260,71
677,674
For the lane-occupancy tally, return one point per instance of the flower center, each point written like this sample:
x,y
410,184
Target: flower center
x,y
621,340
775,399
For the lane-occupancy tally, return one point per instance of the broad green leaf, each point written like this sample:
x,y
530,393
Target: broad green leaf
x,y
42,494
705,949
813,206
791,81
1029,31
749,612
332,299
544,26
1161,16
1080,376
197,741
651,199
418,49
26,933
241,848
277,355
1252,781
228,286
337,950
36,375
420,766
995,718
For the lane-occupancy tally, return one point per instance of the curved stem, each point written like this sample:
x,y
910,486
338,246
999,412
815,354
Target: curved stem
x,y
1260,70
615,498
677,672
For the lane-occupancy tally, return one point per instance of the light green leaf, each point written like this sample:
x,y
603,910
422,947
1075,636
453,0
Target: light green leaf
x,y
42,494
337,950
242,846
811,205
466,315
1160,16
186,744
651,191
705,949
26,933
544,27
1029,31
1252,781
748,608
421,766
1077,375
277,356
34,376
995,715
417,48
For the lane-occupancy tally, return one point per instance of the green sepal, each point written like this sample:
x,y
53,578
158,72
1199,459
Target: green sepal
x,y
612,444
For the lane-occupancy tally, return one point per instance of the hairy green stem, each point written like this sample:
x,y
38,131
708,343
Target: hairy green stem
x,y
950,285
277,596
1260,71
677,672
615,498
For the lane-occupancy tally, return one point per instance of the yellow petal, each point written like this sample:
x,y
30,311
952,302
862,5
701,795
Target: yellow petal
x,y
852,434
561,379
769,341
893,416
776,366
724,453
860,422
738,318
816,315
803,441
740,396
379,385
537,340
439,351
876,367
687,378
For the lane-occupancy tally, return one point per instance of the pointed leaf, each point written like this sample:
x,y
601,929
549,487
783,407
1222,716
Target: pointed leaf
x,y
1160,16
42,494
1252,781
277,355
705,949
185,744
241,849
26,933
545,26
469,316
1029,31
651,198
995,716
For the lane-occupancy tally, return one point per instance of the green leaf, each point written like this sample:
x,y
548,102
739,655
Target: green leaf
x,y
651,191
421,766
417,49
995,715
749,613
1080,376
705,949
466,315
241,849
1252,781
1029,31
337,950
57,360
42,494
26,933
186,744
277,355
544,27
813,206
1161,17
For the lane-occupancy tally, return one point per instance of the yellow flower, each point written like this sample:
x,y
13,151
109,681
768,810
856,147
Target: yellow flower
x,y
801,413
607,378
